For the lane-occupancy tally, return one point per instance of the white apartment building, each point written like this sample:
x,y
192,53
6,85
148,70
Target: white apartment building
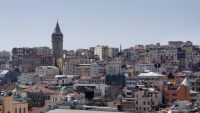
x,y
26,78
63,79
153,79
46,71
101,51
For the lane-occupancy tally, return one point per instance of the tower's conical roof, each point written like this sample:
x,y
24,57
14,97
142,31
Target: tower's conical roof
x,y
57,29
186,82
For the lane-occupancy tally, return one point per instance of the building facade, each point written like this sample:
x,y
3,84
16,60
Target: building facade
x,y
8,105
47,71
114,67
147,100
4,59
113,52
70,67
83,69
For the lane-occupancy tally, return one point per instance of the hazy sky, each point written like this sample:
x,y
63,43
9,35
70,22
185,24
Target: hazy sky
x,y
85,23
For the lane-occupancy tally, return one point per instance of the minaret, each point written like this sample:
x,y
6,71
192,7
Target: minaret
x,y
57,43
120,48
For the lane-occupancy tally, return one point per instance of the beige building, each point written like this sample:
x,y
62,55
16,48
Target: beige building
x,y
146,100
166,55
83,69
67,63
112,52
8,105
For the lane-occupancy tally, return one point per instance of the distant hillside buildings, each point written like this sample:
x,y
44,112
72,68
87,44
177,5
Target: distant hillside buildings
x,y
142,78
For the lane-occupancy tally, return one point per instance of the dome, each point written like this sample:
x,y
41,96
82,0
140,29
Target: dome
x,y
63,90
16,91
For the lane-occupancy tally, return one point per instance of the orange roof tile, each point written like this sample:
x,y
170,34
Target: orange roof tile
x,y
35,110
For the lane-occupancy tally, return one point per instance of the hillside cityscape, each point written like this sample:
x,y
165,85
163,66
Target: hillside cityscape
x,y
151,78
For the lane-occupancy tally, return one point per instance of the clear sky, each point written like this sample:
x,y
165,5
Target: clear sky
x,y
85,23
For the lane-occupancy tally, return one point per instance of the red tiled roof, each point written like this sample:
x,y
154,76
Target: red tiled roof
x,y
35,110
38,89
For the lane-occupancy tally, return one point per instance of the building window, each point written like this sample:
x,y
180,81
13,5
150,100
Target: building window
x,y
24,110
20,110
173,94
15,110
136,102
173,100
152,102
144,102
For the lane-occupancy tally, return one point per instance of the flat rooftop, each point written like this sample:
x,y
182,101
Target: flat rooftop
x,y
78,111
